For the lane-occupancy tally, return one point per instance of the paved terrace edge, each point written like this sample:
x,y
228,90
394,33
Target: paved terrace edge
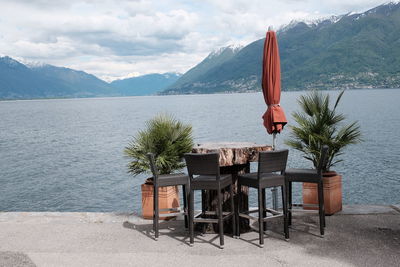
x,y
118,217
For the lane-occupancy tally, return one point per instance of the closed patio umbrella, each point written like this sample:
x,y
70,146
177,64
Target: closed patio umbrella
x,y
274,117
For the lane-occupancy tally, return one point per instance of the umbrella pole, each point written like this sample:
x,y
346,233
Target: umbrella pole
x,y
273,141
274,190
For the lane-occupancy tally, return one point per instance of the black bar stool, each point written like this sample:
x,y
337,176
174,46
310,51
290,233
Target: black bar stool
x,y
167,180
271,173
309,176
204,173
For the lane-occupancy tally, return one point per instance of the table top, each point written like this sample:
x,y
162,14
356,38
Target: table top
x,y
233,153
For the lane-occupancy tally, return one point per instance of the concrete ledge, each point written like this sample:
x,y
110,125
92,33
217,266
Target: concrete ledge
x,y
69,217
120,217
367,210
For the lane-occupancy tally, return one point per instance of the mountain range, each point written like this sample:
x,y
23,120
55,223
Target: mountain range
x,y
355,50
145,85
347,51
20,81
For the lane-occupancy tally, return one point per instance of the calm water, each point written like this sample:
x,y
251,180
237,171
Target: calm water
x,y
67,155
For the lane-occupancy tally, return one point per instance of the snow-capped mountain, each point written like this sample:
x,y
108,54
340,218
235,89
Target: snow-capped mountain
x,y
21,81
215,59
328,20
312,23
354,50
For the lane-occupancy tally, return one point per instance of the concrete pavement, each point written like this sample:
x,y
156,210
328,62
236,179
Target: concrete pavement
x,y
358,236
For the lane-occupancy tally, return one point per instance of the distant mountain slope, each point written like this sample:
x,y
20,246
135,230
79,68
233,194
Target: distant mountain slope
x,y
78,82
145,85
348,51
211,62
18,81
358,51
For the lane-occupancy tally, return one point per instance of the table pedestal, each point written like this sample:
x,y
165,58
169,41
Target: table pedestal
x,y
210,201
234,158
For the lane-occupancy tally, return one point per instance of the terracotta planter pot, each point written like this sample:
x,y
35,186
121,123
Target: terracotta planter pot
x,y
332,193
168,197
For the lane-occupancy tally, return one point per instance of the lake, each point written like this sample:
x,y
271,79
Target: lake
x,y
67,154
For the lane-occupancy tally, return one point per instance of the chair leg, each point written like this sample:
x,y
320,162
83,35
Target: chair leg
x,y
323,204
191,217
203,209
239,199
290,204
264,208
260,217
185,206
155,212
220,220
233,211
285,212
321,207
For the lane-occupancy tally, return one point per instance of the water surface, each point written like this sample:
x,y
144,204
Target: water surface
x,y
67,155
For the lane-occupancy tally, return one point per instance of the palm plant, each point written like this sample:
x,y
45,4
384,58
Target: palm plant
x,y
164,136
319,124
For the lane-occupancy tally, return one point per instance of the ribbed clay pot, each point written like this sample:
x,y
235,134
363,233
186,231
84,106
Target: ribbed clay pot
x,y
332,193
168,198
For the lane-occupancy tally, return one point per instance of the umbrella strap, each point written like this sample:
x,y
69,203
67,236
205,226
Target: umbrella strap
x,y
274,105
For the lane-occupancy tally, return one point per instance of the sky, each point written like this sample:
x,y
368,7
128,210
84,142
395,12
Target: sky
x,y
127,38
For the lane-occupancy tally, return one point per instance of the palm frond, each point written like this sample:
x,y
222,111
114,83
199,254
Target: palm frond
x,y
164,136
318,124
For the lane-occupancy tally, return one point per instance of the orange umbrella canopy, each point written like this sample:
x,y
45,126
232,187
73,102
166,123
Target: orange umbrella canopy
x,y
274,117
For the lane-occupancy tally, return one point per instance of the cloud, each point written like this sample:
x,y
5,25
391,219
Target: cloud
x,y
115,39
341,6
102,65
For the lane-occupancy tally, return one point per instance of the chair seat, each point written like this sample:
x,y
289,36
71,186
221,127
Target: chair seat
x,y
209,182
266,180
173,179
302,175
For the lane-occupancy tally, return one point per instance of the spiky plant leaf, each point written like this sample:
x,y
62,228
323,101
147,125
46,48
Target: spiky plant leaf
x,y
319,124
164,136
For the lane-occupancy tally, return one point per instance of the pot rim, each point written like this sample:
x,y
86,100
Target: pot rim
x,y
329,174
149,181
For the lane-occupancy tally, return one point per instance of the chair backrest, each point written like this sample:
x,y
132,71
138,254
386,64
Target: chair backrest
x,y
323,158
202,164
272,161
153,167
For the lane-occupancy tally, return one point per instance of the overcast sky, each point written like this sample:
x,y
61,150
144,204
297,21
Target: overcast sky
x,y
117,39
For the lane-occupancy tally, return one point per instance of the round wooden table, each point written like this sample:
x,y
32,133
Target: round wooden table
x,y
234,158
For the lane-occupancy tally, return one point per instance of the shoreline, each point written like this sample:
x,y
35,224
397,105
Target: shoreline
x,y
194,94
